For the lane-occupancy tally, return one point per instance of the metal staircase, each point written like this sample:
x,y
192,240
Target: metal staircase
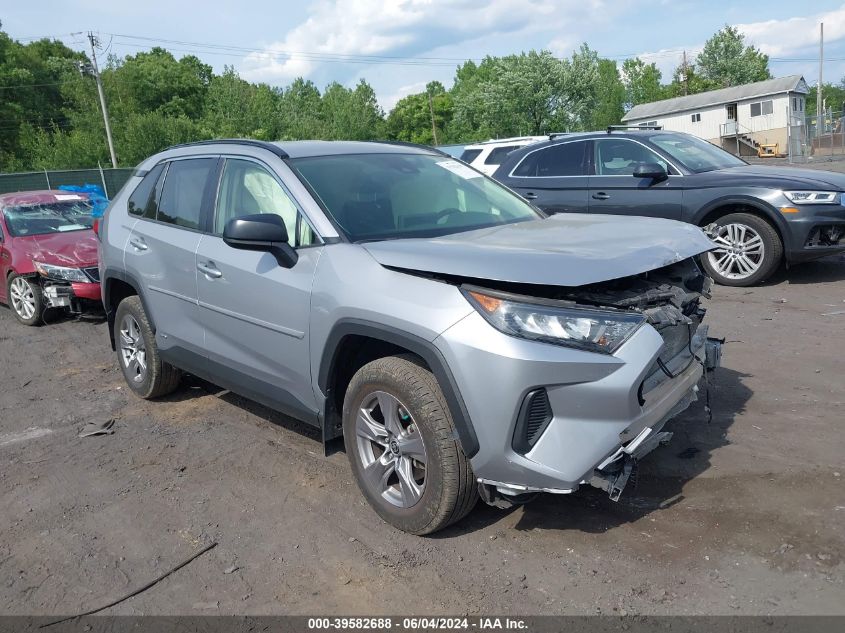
x,y
742,135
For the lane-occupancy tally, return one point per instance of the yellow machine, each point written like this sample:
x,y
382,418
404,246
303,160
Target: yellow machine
x,y
769,150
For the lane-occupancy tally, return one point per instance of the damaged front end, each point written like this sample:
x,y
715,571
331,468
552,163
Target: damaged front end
x,y
76,290
614,418
670,299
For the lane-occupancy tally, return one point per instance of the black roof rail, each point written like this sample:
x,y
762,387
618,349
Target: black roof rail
x,y
270,147
619,128
553,135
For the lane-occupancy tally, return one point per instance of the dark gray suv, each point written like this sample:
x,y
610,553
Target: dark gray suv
x,y
760,215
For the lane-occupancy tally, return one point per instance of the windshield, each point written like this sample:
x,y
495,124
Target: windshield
x,y
48,217
389,196
694,153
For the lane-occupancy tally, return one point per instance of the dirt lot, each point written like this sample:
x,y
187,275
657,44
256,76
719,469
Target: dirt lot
x,y
742,515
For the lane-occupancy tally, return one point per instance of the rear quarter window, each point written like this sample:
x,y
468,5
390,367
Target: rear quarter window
x,y
470,155
142,202
497,155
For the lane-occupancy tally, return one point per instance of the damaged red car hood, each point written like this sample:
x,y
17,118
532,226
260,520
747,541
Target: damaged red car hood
x,y
74,248
568,249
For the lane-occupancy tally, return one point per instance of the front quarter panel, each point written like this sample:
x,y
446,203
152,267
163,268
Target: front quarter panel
x,y
350,285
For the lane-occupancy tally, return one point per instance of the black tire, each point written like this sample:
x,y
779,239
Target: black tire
x,y
37,295
160,378
771,257
450,490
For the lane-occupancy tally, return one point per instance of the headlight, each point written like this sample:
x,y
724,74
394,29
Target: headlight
x,y
584,328
812,197
61,273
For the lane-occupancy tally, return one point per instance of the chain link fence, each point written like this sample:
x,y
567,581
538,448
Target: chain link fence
x,y
111,180
814,139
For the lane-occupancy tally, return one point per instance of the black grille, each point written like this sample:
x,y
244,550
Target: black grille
x,y
534,416
93,273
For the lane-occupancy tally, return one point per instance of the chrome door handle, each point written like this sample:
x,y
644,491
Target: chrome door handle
x,y
601,195
138,244
530,195
209,270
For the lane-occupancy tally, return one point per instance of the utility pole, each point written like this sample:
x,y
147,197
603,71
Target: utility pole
x,y
93,40
819,102
431,110
686,75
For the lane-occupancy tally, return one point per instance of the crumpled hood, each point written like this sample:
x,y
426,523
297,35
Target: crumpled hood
x,y
74,249
563,250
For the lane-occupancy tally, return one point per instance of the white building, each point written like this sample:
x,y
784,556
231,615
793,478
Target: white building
x,y
740,118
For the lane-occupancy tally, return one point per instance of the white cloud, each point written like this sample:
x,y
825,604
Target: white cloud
x,y
403,28
390,100
779,38
776,38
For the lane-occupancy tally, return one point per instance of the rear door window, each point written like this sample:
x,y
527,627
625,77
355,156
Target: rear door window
x,y
182,194
564,159
497,155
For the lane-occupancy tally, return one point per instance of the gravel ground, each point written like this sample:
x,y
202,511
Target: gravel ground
x,y
742,515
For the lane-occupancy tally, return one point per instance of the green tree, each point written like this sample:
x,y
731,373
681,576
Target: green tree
x,y
688,81
410,118
726,60
31,78
833,95
610,96
300,111
641,81
351,114
156,81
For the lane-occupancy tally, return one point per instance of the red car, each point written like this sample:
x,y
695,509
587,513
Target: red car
x,y
48,253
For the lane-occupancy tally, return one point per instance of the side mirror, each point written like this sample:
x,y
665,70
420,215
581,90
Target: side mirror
x,y
261,232
655,171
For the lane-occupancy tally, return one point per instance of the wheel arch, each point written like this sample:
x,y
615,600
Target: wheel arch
x,y
353,342
740,204
117,285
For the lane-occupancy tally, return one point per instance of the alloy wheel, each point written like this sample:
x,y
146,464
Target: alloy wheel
x,y
22,297
391,450
133,351
740,251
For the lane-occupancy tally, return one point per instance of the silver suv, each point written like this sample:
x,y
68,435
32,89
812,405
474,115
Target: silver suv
x,y
462,343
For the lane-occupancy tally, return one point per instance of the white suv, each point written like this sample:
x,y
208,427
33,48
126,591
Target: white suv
x,y
487,156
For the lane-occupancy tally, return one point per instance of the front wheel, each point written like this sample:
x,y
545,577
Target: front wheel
x,y
146,374
25,299
748,250
401,445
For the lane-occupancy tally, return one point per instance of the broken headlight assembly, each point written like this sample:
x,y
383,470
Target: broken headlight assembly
x,y
588,329
812,197
60,273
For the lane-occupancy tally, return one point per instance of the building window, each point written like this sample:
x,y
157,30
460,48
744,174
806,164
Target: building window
x,y
761,108
648,124
795,104
696,118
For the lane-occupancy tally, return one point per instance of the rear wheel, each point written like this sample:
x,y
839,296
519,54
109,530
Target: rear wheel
x,y
748,250
401,444
25,299
145,373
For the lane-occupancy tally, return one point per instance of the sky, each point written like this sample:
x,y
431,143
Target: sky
x,y
400,45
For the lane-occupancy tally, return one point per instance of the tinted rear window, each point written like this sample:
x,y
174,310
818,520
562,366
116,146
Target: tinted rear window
x,y
470,155
498,155
181,196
